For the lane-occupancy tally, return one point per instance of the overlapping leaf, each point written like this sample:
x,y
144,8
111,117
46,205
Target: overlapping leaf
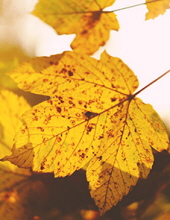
x,y
12,107
156,8
10,57
86,19
92,118
16,185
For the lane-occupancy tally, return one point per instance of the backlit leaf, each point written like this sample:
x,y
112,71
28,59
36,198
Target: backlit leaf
x,y
92,118
156,8
12,107
86,19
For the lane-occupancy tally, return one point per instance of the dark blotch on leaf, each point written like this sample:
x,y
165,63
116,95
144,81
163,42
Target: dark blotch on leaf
x,y
63,70
70,73
89,128
58,109
96,16
90,115
84,32
45,80
113,99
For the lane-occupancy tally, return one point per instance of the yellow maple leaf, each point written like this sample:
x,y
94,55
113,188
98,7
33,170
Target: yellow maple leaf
x,y
86,19
92,118
156,8
12,107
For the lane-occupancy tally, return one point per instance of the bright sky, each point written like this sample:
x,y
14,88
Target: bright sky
x,y
143,45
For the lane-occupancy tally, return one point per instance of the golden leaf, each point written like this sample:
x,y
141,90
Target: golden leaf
x,y
12,107
86,19
156,8
92,118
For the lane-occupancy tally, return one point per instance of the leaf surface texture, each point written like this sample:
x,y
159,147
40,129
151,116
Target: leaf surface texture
x,y
92,119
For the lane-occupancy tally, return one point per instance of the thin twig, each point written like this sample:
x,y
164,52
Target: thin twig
x,y
151,83
132,6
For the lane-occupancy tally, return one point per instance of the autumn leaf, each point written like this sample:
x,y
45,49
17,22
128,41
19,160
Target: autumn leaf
x,y
156,8
17,186
86,19
93,119
12,107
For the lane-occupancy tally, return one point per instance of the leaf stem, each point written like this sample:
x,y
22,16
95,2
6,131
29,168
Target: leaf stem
x,y
132,6
151,83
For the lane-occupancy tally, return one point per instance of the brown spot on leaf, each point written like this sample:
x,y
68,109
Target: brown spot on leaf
x,y
83,155
72,122
101,136
42,167
40,128
45,80
90,115
35,118
102,43
58,109
59,139
58,152
50,102
70,73
99,158
70,102
63,70
84,32
95,16
61,99
113,99
23,131
113,86
90,127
